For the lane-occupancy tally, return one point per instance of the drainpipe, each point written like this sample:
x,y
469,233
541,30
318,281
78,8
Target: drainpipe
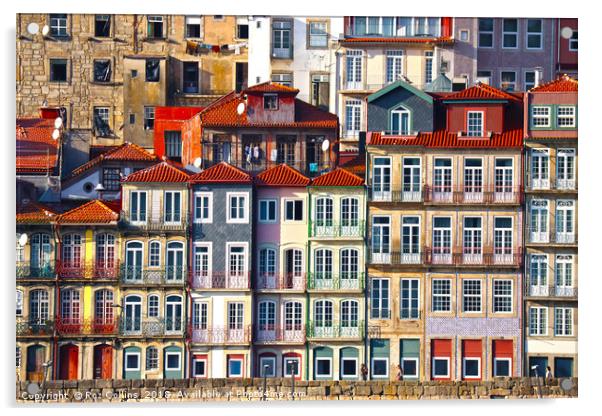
x,y
523,337
365,275
57,257
188,308
307,298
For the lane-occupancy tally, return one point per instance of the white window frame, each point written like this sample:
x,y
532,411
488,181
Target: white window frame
x,y
494,295
372,375
527,88
353,117
201,195
245,246
560,280
381,310
472,296
394,65
345,376
194,373
267,203
541,321
399,112
447,360
547,117
209,246
410,376
446,295
138,197
513,83
464,35
482,129
173,207
527,34
125,360
261,366
560,330
572,117
509,360
176,353
313,36
329,359
242,366
285,202
471,377
504,33
245,218
410,299
571,40
285,369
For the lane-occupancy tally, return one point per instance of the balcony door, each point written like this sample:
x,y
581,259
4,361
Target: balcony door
x,y
132,313
381,179
410,240
293,320
133,261
323,277
472,247
175,262
502,240
323,313
442,180
293,268
441,240
381,240
173,314
538,231
473,180
411,179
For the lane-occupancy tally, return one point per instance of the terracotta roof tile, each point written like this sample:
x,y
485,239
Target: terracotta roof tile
x,y
446,139
127,152
376,39
480,91
562,84
357,165
92,212
338,177
166,172
34,213
222,173
282,175
37,151
271,87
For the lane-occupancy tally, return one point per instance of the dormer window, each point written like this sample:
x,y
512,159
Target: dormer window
x,y
400,121
270,101
474,124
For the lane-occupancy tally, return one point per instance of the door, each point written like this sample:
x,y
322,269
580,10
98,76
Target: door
x,y
133,261
294,269
132,314
381,174
473,180
410,240
173,314
320,91
537,366
68,364
411,179
191,77
538,231
35,361
103,362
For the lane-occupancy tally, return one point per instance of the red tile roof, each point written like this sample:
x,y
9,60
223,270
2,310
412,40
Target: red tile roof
x,y
34,213
271,87
92,212
441,39
562,84
222,173
338,177
127,152
281,175
446,139
223,113
480,91
37,151
166,172
357,165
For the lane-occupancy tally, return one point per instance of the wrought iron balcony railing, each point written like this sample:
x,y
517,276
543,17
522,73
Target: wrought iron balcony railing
x,y
148,221
536,236
221,280
335,281
280,281
336,329
151,326
86,326
28,270
82,269
396,195
330,229
458,256
473,194
280,333
28,326
220,335
167,275
552,291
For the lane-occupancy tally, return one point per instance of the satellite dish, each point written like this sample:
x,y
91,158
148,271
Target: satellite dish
x,y
45,30
197,162
23,240
56,134
566,32
33,28
240,108
325,145
58,122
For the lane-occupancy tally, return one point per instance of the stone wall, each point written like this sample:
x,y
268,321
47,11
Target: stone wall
x,y
198,390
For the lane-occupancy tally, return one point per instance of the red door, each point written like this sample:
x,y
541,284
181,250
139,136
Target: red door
x,y
68,362
103,361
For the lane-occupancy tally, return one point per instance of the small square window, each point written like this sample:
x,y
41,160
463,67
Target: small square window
x,y
235,367
237,208
58,70
472,368
291,366
318,35
134,73
101,123
203,208
132,118
349,367
218,17
132,361
294,210
323,367
508,81
199,367
501,367
267,366
155,27
270,101
440,367
172,360
410,368
193,27
464,35
380,367
102,25
242,31
58,25
111,178
267,210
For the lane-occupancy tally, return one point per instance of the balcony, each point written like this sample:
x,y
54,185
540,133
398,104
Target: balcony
x,y
86,326
151,327
336,330
285,281
168,275
396,196
441,256
25,270
308,168
552,291
221,280
34,327
329,229
95,270
482,195
221,335
396,257
280,333
566,185
539,184
548,184
153,222
336,281
550,237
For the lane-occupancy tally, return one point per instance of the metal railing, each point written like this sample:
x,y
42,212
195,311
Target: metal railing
x,y
396,195
551,291
351,229
167,275
27,326
86,326
220,280
280,333
396,257
102,270
553,236
335,281
335,329
153,222
280,281
220,335
466,194
458,256
25,270
252,165
151,326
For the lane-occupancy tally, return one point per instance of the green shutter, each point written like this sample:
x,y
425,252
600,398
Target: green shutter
x,y
349,352
172,373
132,374
379,348
409,348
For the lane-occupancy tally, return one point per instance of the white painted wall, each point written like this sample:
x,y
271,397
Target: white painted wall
x,y
551,347
260,32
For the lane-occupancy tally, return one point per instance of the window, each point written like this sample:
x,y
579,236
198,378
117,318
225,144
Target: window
x,y
281,39
293,210
510,33
101,121
504,173
565,116
173,142
349,317
238,208
199,366
464,35
410,239
573,41
155,27
348,367
235,367
409,367
442,239
202,262
137,206
471,295
538,271
70,306
508,81
540,169
565,168
72,251
381,239
324,212
529,80
149,124
565,217
381,179
564,271
172,209
237,260
563,367
318,35
58,70
283,78
154,254
267,262
105,252
58,25
502,296
132,118
267,366
540,116
38,306
471,367
320,90
538,321
380,367
502,239
111,179
502,367
173,360
323,314
349,213
563,321
394,65
428,67
267,210
534,33
153,306
203,207
442,181
440,367
152,358
441,295
290,366
323,367
266,313
102,70
270,101
19,308
485,33
409,303
474,123
242,28
152,70
102,25
379,299
353,69
199,315
353,111
400,121
193,27
18,357
132,360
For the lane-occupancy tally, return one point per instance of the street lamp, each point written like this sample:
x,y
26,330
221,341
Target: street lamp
x,y
534,368
291,369
265,380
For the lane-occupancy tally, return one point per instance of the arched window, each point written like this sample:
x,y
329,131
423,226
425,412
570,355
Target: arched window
x,y
323,268
173,313
153,306
267,315
72,251
70,306
323,314
19,310
154,254
133,260
400,121
38,306
349,268
324,212
40,250
132,313
103,306
152,358
350,213
349,313
175,261
293,316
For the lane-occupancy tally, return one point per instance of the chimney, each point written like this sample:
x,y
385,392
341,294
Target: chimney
x,y
538,75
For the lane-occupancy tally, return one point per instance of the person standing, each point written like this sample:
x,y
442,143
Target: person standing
x,y
364,371
549,375
399,373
